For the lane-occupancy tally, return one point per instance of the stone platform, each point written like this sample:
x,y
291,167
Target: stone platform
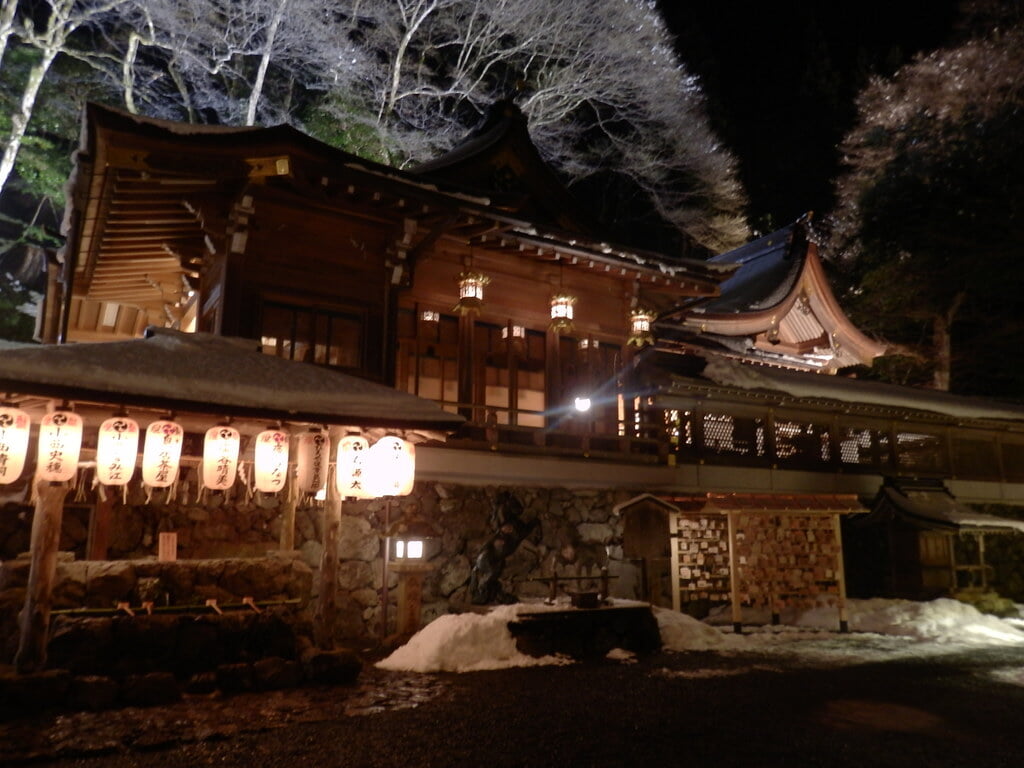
x,y
587,633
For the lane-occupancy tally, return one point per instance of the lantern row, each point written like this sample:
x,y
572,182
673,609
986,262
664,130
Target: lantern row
x,y
386,469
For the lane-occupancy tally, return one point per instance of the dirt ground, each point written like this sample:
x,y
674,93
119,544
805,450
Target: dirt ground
x,y
667,709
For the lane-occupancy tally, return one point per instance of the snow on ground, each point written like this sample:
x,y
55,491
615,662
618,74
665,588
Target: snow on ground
x,y
880,629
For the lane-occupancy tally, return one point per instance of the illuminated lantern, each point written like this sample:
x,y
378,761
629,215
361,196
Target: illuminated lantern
x,y
14,429
220,457
352,470
314,452
640,327
471,292
161,453
60,441
116,448
271,460
392,467
562,312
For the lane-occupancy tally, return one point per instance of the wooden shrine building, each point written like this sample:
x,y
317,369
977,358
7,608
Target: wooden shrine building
x,y
641,408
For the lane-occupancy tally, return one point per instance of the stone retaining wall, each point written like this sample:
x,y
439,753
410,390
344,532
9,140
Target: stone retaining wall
x,y
576,530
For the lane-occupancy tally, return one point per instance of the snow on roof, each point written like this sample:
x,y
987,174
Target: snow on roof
x,y
936,507
209,373
730,373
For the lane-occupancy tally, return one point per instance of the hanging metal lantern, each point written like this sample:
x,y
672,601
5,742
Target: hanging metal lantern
x,y
270,460
352,468
392,467
313,454
60,441
471,292
220,457
15,425
117,447
640,327
562,312
161,453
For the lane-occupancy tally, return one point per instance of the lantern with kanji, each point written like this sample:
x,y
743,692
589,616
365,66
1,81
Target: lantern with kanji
x,y
161,453
117,446
220,457
392,467
270,460
313,455
60,441
14,428
352,468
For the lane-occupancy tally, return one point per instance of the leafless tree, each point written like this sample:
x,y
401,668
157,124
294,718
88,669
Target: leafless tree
x,y
928,218
598,81
50,38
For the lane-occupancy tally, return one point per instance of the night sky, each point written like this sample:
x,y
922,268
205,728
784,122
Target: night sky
x,y
781,76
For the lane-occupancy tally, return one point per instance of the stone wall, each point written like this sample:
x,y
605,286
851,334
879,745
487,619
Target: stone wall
x,y
575,531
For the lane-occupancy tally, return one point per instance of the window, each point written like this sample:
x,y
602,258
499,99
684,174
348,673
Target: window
x,y
312,335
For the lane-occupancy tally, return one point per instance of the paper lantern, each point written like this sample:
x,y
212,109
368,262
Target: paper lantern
x,y
271,460
161,453
352,468
562,312
117,446
60,441
220,457
313,454
471,292
14,428
392,467
640,327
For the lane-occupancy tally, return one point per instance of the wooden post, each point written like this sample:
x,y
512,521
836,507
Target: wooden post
x,y
327,601
99,526
981,560
35,616
734,576
673,539
410,603
384,598
844,621
286,539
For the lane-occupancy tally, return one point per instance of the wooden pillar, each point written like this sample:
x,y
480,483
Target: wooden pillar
x,y
99,526
844,619
734,576
466,360
286,539
35,616
673,539
326,616
981,560
553,395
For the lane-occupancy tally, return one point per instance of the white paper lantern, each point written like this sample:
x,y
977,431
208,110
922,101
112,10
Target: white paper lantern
x,y
220,457
392,467
313,455
352,472
14,428
161,453
271,460
60,441
117,446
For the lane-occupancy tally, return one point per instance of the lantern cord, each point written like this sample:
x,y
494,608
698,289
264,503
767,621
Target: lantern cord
x,y
149,493
124,494
33,494
80,488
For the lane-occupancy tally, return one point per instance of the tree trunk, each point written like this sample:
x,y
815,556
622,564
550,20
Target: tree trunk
x,y
7,10
20,119
941,342
35,616
261,74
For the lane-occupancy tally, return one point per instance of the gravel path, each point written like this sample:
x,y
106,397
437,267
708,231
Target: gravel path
x,y
669,709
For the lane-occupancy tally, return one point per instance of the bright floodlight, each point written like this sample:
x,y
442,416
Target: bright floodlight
x,y
582,404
